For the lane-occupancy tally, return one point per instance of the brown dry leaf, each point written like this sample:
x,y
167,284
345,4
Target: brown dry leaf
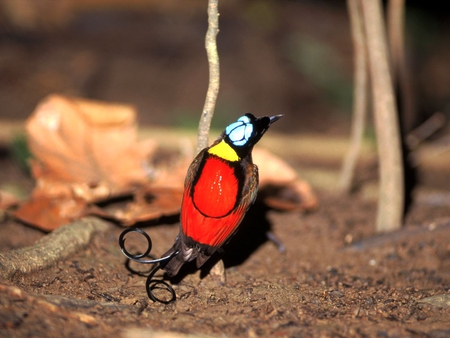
x,y
280,186
85,151
48,212
81,141
161,197
147,204
153,203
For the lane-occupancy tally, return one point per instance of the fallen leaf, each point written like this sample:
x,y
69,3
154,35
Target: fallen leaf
x,y
146,204
81,141
280,186
84,151
48,212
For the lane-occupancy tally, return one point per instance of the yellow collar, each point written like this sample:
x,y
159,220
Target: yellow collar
x,y
223,150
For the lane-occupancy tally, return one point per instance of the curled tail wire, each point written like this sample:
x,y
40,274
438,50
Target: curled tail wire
x,y
151,283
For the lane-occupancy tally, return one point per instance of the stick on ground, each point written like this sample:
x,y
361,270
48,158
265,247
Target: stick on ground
x,y
52,248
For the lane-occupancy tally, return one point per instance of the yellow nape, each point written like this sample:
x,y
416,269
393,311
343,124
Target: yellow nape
x,y
223,150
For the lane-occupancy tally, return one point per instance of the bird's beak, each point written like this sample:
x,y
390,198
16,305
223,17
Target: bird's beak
x,y
275,118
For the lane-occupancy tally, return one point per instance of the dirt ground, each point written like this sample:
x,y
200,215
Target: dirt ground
x,y
337,277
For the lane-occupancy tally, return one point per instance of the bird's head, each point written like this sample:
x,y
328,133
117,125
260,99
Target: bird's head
x,y
243,134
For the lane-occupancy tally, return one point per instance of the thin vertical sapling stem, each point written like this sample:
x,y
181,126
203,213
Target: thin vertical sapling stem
x,y
214,75
391,190
360,88
218,270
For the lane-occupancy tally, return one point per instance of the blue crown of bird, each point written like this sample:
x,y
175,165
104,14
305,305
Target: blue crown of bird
x,y
221,184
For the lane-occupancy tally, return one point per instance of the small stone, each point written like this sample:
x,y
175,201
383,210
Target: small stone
x,y
336,294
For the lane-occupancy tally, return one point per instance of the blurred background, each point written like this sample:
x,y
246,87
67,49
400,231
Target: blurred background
x,y
290,57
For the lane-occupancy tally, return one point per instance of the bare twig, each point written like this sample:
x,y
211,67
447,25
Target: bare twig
x,y
214,75
57,303
53,305
438,227
425,130
53,247
391,198
359,95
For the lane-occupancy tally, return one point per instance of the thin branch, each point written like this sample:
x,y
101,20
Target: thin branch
x,y
415,137
360,88
391,198
57,303
439,227
214,75
53,247
213,89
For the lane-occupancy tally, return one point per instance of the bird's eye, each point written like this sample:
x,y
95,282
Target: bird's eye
x,y
239,132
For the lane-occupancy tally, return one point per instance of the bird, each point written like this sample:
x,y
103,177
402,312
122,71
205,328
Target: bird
x,y
220,185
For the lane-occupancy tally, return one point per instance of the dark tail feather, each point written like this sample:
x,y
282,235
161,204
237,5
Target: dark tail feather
x,y
187,251
174,265
201,259
185,254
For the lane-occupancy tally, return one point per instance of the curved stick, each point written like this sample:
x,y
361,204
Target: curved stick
x,y
52,248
